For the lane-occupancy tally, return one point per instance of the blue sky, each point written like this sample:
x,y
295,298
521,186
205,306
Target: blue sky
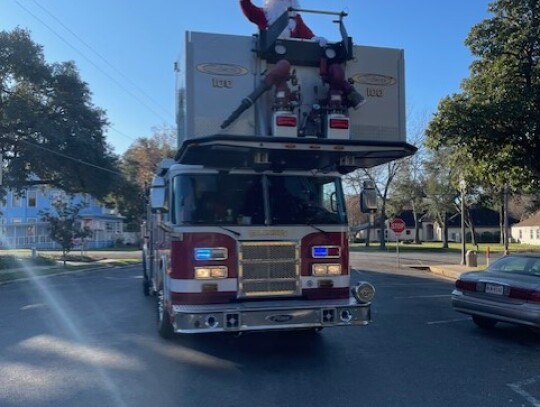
x,y
125,50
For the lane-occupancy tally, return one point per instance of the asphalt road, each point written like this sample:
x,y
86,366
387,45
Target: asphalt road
x,y
89,340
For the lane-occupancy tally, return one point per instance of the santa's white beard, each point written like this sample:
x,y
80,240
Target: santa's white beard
x,y
275,8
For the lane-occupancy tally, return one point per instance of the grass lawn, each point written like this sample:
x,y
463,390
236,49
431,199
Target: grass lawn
x,y
10,261
452,247
16,264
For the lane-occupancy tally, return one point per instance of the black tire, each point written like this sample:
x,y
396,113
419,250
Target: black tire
x,y
146,287
483,322
146,282
165,327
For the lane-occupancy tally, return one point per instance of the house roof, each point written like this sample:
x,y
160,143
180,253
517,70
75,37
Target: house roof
x,y
533,220
408,218
481,217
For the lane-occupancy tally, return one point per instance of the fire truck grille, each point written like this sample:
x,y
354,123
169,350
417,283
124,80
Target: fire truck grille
x,y
269,269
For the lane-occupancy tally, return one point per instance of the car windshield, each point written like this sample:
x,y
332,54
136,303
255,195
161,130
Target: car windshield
x,y
239,199
517,264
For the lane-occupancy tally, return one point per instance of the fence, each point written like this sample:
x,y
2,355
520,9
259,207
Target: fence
x,y
36,235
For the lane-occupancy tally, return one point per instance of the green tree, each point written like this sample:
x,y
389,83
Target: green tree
x,y
494,124
65,224
138,165
50,132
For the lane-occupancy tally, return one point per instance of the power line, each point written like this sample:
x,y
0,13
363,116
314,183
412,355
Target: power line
x,y
92,63
122,133
118,71
78,160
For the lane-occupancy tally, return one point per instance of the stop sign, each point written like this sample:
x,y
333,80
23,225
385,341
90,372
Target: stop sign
x,y
397,225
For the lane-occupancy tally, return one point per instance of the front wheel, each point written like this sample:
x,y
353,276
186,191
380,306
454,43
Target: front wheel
x,y
146,287
146,281
483,322
165,327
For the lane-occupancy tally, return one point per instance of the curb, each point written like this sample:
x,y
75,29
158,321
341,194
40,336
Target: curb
x,y
451,271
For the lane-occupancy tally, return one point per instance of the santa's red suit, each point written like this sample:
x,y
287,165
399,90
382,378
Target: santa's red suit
x,y
263,17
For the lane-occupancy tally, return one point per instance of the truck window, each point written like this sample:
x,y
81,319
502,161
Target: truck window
x,y
305,200
238,199
218,199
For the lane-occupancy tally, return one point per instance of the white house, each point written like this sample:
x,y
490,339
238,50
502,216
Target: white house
x,y
528,230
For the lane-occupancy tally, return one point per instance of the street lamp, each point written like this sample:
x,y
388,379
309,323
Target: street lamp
x,y
462,189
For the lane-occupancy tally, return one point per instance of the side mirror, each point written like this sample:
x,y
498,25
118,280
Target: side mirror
x,y
333,203
368,198
157,196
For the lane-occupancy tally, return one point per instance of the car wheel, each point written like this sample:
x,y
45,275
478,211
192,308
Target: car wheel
x,y
146,287
483,322
146,281
165,327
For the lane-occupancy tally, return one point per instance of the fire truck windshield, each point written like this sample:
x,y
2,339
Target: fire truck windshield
x,y
255,199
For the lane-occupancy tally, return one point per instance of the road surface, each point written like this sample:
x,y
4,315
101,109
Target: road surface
x,y
89,339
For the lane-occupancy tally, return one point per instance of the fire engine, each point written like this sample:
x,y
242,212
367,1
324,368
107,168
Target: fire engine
x,y
246,227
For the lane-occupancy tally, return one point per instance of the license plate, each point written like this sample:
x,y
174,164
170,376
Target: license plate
x,y
494,289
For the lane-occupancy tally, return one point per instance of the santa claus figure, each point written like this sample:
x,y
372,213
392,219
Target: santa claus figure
x,y
265,16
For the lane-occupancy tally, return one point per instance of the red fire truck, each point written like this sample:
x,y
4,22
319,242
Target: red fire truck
x,y
246,227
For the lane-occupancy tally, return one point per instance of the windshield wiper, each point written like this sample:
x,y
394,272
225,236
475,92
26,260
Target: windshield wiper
x,y
202,222
234,232
317,228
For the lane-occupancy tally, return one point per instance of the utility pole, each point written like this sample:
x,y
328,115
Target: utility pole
x,y
462,188
506,233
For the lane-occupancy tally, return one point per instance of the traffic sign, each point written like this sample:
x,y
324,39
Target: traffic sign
x,y
397,225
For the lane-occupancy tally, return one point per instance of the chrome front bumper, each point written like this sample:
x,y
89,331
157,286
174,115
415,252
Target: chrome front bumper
x,y
269,315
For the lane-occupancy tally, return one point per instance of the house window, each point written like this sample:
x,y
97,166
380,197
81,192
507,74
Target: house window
x,y
32,198
408,232
16,201
520,234
537,233
531,233
113,227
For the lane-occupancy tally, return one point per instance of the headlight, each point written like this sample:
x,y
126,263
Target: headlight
x,y
319,270
210,253
205,273
363,292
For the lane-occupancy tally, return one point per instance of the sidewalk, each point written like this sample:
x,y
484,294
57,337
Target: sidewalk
x,y
452,271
